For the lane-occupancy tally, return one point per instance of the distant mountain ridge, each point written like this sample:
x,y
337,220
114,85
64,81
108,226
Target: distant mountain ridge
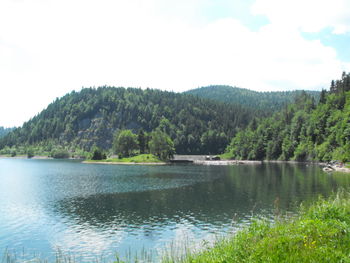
x,y
266,101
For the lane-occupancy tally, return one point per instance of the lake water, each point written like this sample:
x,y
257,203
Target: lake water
x,y
90,211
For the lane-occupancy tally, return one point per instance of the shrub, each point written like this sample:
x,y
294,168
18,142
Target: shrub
x,y
30,153
60,154
98,154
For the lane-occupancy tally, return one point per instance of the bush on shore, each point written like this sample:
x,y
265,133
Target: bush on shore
x,y
60,154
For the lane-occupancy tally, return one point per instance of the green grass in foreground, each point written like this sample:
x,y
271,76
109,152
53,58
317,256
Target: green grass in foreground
x,y
321,233
142,158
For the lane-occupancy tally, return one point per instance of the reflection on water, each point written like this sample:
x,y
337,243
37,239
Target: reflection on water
x,y
89,210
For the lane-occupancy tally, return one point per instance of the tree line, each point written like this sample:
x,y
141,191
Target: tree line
x,y
90,117
4,131
311,128
263,103
302,131
156,142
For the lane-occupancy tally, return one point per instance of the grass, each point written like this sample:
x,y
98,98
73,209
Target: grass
x,y
142,158
226,156
321,233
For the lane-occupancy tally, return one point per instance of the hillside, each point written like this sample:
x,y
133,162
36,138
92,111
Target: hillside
x,y
303,131
265,101
91,117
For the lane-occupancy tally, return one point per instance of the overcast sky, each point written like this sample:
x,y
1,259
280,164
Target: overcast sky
x,y
51,47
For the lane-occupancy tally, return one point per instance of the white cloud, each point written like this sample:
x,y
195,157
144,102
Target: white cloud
x,y
309,16
48,48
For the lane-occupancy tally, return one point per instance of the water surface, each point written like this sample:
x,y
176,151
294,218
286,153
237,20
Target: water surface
x,y
89,210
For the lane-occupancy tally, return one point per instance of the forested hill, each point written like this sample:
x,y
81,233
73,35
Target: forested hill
x,y
91,116
4,131
265,101
302,131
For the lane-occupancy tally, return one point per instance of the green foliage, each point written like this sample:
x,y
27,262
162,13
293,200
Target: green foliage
x,y
321,233
125,142
59,153
301,152
341,153
323,96
142,141
4,131
301,131
22,150
80,120
214,141
98,154
5,151
142,158
161,145
30,152
262,102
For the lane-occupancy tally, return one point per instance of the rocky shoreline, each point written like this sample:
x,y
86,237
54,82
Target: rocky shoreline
x,y
327,167
225,162
332,166
335,166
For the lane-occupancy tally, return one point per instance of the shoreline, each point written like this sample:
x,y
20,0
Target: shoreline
x,y
225,162
207,162
326,167
251,162
124,163
329,168
341,169
24,157
37,157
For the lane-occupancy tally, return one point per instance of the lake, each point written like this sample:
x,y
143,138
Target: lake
x,y
90,211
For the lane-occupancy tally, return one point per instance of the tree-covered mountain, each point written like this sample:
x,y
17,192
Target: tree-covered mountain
x,y
262,101
302,131
4,131
91,117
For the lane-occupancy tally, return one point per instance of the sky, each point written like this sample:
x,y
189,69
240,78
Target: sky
x,y
51,47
